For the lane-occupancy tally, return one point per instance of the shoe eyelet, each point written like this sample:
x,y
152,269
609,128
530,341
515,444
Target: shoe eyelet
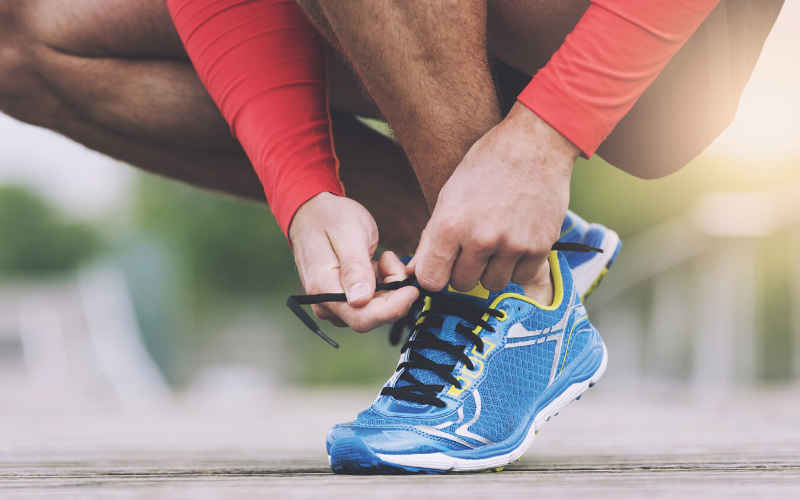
x,y
504,316
519,309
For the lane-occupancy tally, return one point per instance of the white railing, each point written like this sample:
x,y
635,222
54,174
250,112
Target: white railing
x,y
684,300
80,337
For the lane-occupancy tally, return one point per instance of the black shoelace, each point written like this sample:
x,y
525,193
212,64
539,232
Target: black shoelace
x,y
442,305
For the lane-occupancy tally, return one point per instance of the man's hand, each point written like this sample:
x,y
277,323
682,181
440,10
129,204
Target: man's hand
x,y
334,239
501,211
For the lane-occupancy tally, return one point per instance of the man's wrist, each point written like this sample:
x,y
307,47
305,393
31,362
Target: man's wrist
x,y
534,129
307,208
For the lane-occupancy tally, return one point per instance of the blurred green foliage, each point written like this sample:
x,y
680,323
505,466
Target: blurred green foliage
x,y
226,245
232,255
35,239
602,193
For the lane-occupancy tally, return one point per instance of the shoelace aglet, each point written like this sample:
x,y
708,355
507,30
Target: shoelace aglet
x,y
326,338
298,311
570,246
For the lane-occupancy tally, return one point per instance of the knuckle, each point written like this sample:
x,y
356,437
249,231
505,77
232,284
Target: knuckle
x,y
516,247
352,270
448,224
430,280
485,242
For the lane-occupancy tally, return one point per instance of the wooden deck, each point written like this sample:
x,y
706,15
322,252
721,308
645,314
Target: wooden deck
x,y
611,444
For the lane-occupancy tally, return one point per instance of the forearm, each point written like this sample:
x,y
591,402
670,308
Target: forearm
x,y
265,69
615,52
425,65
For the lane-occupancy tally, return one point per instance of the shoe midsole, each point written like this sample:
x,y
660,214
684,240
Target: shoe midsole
x,y
587,273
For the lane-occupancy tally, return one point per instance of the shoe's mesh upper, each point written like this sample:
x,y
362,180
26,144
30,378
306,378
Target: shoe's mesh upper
x,y
507,399
573,228
517,376
580,338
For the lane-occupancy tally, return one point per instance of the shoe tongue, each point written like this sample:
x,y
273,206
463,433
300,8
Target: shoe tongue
x,y
478,296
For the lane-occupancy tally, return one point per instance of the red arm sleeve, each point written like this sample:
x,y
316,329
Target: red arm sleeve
x,y
615,52
264,67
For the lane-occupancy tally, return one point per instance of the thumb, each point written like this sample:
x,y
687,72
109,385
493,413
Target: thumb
x,y
355,264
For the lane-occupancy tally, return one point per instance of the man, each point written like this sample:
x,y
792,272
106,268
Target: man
x,y
114,76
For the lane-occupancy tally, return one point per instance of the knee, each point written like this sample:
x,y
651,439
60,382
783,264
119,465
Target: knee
x,y
649,167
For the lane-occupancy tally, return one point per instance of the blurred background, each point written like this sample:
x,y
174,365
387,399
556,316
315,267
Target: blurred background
x,y
115,284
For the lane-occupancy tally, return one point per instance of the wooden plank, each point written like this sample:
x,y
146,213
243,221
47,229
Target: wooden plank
x,y
611,444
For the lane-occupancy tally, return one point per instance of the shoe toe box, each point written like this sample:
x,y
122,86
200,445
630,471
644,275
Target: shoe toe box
x,y
387,441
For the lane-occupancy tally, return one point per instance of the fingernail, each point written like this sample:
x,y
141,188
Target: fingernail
x,y
357,291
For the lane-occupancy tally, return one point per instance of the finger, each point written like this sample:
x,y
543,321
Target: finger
x,y
499,271
468,269
384,308
319,273
376,269
353,249
391,268
526,270
423,243
436,259
323,313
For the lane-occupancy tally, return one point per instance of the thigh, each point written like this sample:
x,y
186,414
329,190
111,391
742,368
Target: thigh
x,y
696,97
522,36
691,102
105,28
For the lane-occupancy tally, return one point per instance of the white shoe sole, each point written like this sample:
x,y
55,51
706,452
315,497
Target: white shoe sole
x,y
589,274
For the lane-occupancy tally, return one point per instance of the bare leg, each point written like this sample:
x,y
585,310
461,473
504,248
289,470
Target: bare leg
x,y
150,112
113,76
430,76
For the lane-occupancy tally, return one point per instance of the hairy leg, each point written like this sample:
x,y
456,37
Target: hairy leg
x,y
113,76
150,111
376,173
429,76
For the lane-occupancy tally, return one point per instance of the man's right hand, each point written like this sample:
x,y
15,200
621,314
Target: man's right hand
x,y
334,239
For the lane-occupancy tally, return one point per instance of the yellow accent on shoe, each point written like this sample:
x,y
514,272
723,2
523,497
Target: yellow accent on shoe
x,y
568,340
478,291
558,287
567,230
455,391
594,285
477,358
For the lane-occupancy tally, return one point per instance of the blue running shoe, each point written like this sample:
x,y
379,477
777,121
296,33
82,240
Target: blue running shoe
x,y
589,269
479,376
